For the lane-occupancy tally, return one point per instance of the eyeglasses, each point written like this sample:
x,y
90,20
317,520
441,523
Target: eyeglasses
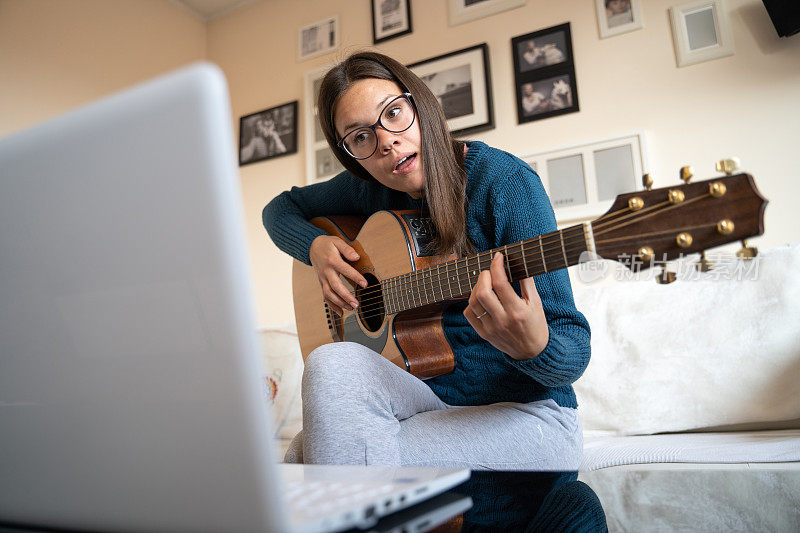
x,y
397,116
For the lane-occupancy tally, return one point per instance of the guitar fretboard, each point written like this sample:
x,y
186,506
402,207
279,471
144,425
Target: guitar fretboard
x,y
455,279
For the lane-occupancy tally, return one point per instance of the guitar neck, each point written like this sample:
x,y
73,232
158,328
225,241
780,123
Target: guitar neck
x,y
455,279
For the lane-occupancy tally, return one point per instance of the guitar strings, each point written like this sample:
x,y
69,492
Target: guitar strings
x,y
375,296
515,258
484,258
550,247
401,284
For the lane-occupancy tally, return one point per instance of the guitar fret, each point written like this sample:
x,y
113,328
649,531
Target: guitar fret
x,y
563,251
447,273
507,262
524,259
541,250
405,291
414,289
439,280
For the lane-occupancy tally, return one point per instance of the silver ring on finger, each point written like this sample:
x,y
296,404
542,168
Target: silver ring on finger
x,y
481,315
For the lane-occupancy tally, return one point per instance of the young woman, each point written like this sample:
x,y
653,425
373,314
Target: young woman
x,y
509,404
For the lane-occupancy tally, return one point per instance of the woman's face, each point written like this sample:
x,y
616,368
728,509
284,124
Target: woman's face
x,y
397,162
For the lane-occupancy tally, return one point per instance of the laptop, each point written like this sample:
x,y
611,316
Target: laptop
x,y
130,390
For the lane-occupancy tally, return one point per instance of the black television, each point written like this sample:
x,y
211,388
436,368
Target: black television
x,y
785,15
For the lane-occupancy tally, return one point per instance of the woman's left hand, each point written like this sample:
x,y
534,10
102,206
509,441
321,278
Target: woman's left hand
x,y
514,325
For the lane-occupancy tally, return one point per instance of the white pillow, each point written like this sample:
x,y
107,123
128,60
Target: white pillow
x,y
283,365
698,353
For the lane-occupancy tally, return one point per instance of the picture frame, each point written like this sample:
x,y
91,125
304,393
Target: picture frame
x,y
390,19
321,163
701,31
268,133
618,16
318,38
544,74
461,81
582,180
461,11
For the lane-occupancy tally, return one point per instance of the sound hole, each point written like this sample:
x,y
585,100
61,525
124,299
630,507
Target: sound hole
x,y
370,303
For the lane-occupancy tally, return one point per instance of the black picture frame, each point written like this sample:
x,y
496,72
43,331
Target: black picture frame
x,y
544,74
268,134
467,104
390,19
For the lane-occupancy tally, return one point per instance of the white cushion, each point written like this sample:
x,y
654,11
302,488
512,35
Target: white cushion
x,y
720,349
283,365
719,448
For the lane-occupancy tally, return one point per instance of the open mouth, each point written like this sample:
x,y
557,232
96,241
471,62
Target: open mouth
x,y
405,163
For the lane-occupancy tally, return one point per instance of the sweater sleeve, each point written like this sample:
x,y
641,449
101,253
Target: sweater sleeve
x,y
286,216
523,211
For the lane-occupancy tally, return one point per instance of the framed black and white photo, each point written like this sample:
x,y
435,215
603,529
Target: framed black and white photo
x,y
544,74
462,11
462,84
268,133
701,31
318,38
390,19
321,164
618,16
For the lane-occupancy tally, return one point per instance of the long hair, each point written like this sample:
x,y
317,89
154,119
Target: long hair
x,y
442,156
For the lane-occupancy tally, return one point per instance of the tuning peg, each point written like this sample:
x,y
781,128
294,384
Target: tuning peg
x,y
665,276
686,173
704,265
728,166
647,181
747,252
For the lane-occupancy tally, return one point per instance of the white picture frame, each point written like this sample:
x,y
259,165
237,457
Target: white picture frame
x,y
317,38
588,182
701,31
618,16
321,164
462,11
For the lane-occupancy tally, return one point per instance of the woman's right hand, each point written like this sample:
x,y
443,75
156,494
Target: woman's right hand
x,y
329,256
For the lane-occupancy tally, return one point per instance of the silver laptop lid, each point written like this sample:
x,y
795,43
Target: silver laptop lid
x,y
129,377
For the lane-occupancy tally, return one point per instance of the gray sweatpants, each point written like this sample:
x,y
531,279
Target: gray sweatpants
x,y
359,408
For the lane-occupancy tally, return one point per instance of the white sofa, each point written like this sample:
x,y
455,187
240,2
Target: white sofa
x,y
704,370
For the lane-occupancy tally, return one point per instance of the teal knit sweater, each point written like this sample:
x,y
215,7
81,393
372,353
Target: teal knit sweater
x,y
506,204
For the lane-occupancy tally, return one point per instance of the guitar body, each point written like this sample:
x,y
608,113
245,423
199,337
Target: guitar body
x,y
389,243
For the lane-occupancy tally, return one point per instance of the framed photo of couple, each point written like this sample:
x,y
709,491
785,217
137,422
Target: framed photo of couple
x,y
544,74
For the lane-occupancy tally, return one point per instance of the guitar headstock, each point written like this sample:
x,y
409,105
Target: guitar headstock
x,y
663,224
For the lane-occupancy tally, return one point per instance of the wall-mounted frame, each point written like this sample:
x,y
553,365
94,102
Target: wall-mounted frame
x,y
268,133
701,31
462,83
321,164
318,38
462,11
583,180
618,16
544,74
390,19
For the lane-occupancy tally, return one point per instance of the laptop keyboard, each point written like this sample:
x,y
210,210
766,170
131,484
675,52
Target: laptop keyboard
x,y
321,497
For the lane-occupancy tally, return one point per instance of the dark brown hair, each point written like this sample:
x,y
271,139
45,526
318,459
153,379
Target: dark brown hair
x,y
442,156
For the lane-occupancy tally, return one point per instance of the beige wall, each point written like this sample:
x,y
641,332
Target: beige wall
x,y
57,54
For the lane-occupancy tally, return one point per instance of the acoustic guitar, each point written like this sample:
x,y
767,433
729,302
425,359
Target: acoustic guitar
x,y
399,312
